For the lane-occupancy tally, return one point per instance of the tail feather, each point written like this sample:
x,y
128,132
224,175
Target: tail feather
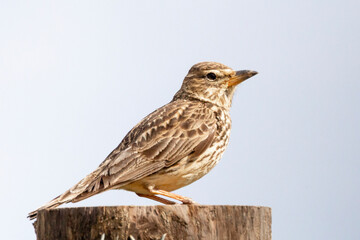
x,y
94,183
64,198
82,190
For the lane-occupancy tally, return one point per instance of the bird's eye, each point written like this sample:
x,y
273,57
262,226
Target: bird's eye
x,y
211,76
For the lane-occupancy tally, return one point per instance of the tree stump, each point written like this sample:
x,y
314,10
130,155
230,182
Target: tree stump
x,y
178,222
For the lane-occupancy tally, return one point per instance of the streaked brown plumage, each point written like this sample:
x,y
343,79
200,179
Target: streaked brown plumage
x,y
173,146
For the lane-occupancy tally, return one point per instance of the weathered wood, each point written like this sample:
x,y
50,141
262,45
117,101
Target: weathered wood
x,y
152,222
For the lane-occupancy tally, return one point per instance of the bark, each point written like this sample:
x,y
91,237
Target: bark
x,y
152,222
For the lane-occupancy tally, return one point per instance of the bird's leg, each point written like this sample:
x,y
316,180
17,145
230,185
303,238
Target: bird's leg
x,y
184,200
156,198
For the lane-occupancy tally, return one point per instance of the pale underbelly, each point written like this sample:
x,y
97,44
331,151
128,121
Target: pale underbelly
x,y
178,175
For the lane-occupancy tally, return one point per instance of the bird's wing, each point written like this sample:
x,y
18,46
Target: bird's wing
x,y
172,132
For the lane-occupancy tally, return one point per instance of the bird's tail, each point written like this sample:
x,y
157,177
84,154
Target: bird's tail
x,y
87,187
64,198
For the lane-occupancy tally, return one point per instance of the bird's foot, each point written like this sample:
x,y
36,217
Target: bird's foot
x,y
156,198
187,200
184,200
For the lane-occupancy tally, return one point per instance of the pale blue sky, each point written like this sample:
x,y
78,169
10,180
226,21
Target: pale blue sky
x,y
77,75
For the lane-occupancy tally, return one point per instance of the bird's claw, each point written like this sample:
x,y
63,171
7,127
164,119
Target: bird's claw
x,y
188,201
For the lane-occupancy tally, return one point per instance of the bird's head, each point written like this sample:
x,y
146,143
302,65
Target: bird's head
x,y
212,82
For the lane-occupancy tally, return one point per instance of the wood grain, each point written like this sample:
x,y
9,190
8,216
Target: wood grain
x,y
151,222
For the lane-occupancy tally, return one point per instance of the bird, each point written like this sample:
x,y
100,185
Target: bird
x,y
173,146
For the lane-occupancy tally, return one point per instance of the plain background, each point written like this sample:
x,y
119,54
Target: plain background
x,y
76,76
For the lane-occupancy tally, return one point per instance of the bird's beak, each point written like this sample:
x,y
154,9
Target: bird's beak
x,y
240,76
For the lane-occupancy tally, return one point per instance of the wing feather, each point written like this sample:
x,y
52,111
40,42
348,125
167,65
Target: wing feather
x,y
177,130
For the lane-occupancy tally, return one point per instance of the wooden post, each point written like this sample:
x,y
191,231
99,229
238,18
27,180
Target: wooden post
x,y
178,222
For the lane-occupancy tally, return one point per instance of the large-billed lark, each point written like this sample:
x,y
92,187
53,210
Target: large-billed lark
x,y
173,146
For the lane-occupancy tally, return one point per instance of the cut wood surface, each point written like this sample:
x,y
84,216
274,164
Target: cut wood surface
x,y
152,222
